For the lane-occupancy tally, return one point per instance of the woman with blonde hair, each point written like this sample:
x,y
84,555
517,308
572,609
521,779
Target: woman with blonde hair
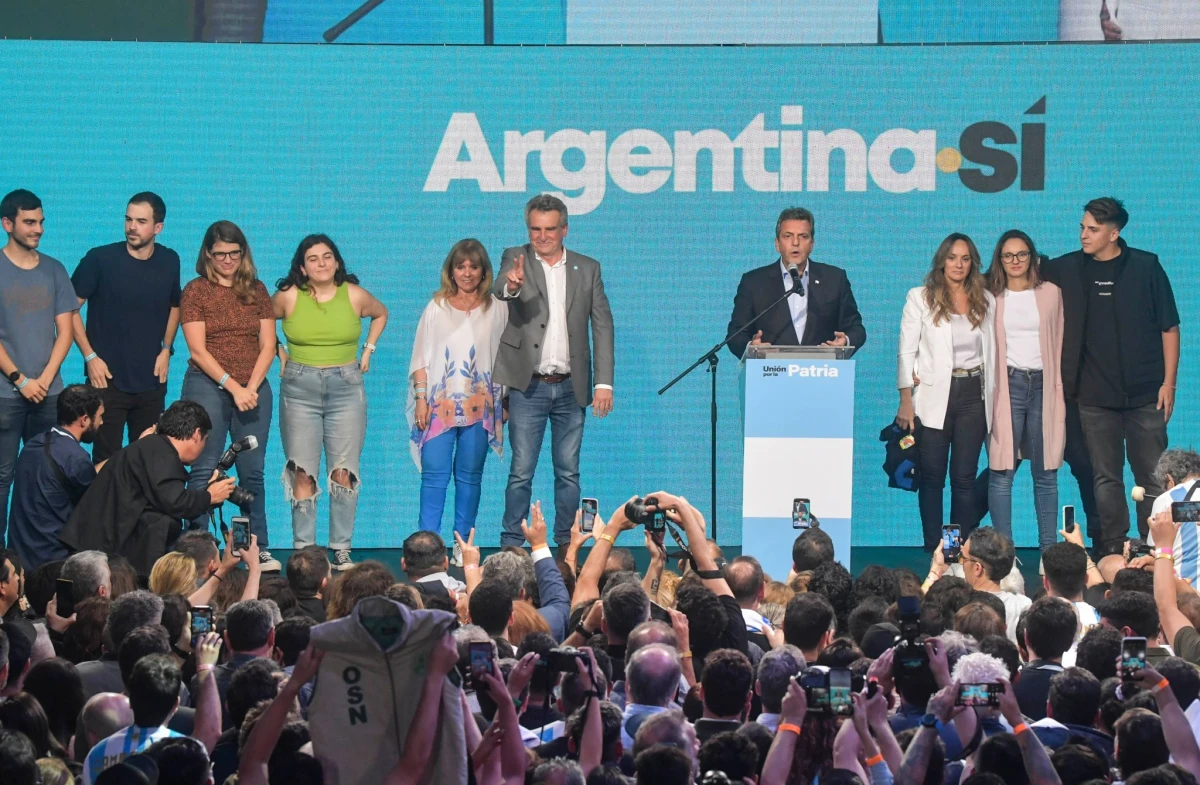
x,y
947,381
454,409
173,573
229,325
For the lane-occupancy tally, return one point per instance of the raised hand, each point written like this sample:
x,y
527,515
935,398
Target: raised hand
x,y
516,273
536,535
470,551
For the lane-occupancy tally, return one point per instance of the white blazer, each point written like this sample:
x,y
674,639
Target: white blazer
x,y
927,350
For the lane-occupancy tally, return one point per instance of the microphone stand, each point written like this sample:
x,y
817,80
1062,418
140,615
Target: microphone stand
x,y
712,358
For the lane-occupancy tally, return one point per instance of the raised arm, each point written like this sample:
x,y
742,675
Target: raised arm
x,y
208,701
778,764
1164,530
1037,760
418,744
587,587
252,764
552,590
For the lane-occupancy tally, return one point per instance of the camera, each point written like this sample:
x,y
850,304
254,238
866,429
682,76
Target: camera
x,y
1139,548
910,656
562,659
636,512
239,496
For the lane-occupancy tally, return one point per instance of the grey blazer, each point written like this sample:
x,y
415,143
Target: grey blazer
x,y
520,344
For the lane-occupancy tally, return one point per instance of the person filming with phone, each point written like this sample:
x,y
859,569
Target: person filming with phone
x,y
136,506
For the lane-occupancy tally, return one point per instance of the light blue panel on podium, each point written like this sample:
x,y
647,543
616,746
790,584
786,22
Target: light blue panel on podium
x,y
799,442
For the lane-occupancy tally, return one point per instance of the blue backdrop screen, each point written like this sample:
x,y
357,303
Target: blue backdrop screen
x,y
675,162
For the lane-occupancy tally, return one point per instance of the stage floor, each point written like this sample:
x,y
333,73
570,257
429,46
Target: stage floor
x,y
913,558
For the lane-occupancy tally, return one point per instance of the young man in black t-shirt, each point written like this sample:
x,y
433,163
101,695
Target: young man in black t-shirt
x,y
132,292
1119,360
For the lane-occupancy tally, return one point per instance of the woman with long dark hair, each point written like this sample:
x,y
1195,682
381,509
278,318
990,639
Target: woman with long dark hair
x,y
947,381
23,712
1029,415
59,689
323,402
229,325
453,411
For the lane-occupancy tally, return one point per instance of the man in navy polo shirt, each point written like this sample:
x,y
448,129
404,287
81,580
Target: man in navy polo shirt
x,y
53,472
132,295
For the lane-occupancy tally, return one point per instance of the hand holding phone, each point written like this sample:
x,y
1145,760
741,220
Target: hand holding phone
x,y
1133,657
64,593
590,508
482,661
202,621
979,695
951,543
241,533
1184,512
801,513
1068,513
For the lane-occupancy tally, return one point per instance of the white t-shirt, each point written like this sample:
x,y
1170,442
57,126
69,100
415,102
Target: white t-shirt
x,y
968,342
1088,618
1021,330
1014,605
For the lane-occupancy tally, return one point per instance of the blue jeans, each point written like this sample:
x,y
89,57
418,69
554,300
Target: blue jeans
x,y
228,421
20,421
462,450
527,415
322,407
1025,398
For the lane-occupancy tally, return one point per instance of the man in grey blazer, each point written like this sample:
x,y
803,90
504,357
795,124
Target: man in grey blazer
x,y
546,360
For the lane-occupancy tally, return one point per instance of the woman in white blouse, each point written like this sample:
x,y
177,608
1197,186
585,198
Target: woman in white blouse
x,y
1029,415
454,408
946,381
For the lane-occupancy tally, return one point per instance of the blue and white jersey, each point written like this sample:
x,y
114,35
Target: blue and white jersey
x,y
1187,542
119,746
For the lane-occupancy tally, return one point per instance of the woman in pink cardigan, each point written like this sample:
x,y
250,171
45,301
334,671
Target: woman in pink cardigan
x,y
1028,414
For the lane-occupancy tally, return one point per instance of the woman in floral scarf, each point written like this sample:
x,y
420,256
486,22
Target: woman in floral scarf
x,y
454,408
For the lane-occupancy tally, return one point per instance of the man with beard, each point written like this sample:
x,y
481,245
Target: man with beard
x,y
52,473
132,295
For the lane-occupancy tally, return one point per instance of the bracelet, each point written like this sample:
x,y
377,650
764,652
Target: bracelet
x,y
224,379
1168,386
608,537
874,760
215,574
369,346
203,668
1166,551
787,726
685,655
21,386
90,357
1166,556
471,567
1162,685
1020,728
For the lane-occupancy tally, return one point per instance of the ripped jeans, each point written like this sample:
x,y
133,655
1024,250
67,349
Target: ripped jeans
x,y
322,407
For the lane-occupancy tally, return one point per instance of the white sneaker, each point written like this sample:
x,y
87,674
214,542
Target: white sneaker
x,y
341,560
268,563
456,560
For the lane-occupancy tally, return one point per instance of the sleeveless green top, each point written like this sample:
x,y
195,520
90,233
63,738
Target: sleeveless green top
x,y
323,334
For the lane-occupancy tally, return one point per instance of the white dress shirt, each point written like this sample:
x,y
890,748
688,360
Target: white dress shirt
x,y
797,303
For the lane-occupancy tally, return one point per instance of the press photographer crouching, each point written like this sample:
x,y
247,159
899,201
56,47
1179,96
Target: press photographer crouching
x,y
137,504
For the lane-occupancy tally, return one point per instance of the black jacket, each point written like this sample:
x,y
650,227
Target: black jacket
x,y
831,308
1145,310
135,505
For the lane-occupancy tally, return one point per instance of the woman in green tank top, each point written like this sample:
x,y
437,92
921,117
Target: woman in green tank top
x,y
323,402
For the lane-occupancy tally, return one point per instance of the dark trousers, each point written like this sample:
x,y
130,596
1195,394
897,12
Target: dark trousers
x,y
954,447
126,412
1111,435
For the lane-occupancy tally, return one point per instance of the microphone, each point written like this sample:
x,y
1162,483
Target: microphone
x,y
796,284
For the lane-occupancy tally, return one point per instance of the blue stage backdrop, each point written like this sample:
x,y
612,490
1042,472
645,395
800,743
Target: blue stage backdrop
x,y
675,162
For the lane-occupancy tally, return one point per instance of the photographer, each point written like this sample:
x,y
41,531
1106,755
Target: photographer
x,y
135,507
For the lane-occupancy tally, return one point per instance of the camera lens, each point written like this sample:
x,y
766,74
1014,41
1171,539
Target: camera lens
x,y
241,497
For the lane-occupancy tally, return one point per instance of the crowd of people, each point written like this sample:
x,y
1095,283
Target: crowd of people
x,y
532,666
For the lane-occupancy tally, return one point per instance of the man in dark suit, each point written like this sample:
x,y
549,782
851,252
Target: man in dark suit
x,y
823,313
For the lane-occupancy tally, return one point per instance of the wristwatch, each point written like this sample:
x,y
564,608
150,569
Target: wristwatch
x,y
929,721
12,377
584,631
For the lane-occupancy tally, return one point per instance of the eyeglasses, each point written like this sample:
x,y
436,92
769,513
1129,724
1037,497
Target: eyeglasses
x,y
1020,256
220,256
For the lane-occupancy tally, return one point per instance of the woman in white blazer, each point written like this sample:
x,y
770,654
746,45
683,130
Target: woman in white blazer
x,y
946,382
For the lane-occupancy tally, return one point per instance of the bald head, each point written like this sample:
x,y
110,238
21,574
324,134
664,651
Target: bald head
x,y
650,632
104,714
652,675
745,578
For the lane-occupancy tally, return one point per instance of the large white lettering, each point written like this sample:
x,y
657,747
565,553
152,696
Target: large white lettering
x,y
642,160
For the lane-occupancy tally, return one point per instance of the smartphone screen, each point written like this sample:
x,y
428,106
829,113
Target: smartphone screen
x,y
241,532
979,695
840,682
1068,518
951,543
1185,512
658,523
202,620
801,514
481,662
64,591
590,507
1133,656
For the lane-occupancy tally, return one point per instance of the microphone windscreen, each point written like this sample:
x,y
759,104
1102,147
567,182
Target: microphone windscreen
x,y
1138,493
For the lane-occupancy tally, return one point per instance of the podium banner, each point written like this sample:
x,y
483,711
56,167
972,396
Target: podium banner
x,y
799,443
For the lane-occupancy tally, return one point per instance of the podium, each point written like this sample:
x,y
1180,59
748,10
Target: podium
x,y
798,431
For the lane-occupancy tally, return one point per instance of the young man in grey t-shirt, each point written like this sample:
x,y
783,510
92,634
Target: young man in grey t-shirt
x,y
36,303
